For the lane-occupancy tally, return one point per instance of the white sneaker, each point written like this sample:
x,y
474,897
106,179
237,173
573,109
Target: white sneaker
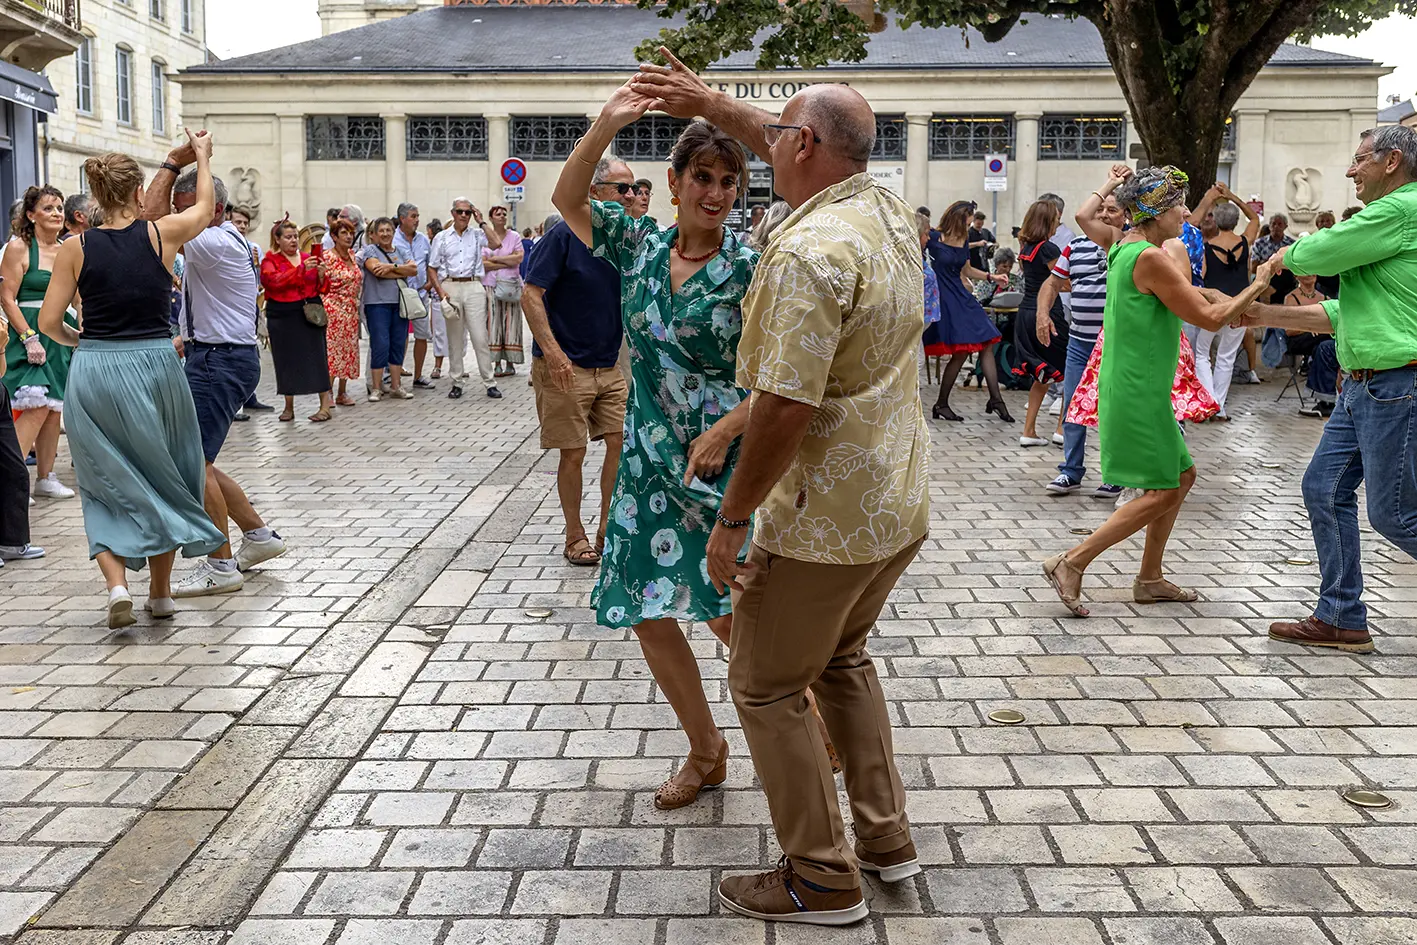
x,y
1252,378
204,580
253,553
120,609
160,607
1127,495
375,396
20,552
1056,439
52,488
1032,441
401,393
1057,407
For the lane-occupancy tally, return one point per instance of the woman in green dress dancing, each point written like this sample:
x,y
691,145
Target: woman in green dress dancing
x,y
680,294
1148,297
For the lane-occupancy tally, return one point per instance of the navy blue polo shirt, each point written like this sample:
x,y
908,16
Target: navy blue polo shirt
x,y
582,298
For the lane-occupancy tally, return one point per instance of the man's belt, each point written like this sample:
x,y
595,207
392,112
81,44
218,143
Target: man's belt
x,y
1366,374
463,279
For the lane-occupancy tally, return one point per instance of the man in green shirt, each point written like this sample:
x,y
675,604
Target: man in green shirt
x,y
1372,433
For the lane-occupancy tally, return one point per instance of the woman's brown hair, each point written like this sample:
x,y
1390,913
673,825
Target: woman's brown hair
x,y
1039,222
30,203
955,220
112,179
278,231
703,145
340,226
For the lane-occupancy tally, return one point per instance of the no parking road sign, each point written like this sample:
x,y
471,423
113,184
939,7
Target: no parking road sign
x,y
513,171
996,172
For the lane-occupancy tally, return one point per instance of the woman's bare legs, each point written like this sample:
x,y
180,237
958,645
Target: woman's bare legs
x,y
114,573
1159,532
1035,403
27,427
160,575
676,672
46,445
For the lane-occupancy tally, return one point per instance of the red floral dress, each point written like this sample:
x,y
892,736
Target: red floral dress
x,y
1189,398
342,306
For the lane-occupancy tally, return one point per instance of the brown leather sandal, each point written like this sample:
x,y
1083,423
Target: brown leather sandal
x,y
579,552
711,773
286,416
1051,567
1161,591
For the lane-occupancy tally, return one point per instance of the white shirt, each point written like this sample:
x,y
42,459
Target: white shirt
x,y
219,286
458,257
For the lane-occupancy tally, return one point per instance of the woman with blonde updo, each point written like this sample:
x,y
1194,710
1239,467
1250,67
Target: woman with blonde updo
x,y
131,421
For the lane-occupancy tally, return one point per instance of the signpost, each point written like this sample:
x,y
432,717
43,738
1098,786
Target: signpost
x,y
996,178
514,184
513,193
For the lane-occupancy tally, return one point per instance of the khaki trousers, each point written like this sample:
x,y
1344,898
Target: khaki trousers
x,y
466,314
797,624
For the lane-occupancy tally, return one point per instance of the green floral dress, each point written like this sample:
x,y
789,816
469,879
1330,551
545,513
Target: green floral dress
x,y
683,356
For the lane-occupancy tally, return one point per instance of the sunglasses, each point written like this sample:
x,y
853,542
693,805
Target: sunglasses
x,y
621,189
462,213
772,132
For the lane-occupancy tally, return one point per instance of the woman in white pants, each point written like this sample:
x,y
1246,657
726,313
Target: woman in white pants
x,y
1227,268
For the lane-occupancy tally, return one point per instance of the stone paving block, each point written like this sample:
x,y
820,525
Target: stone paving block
x,y
1256,930
16,908
1303,845
601,931
1031,806
1374,889
1077,890
664,892
432,848
409,808
461,892
336,849
496,932
1157,931
985,891
935,931
1001,844
561,892
97,937
285,931
1101,843
1181,889
86,825
727,931
1387,930
521,849
360,893
1288,889
283,894
390,932
1054,931
1201,844
228,769
386,671
1385,846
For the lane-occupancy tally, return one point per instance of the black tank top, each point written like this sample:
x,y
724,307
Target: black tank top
x,y
1228,269
126,290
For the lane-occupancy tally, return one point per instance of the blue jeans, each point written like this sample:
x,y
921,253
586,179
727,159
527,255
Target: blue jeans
x,y
1323,369
1074,434
1372,435
388,335
222,378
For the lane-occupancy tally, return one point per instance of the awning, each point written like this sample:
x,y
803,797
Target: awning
x,y
27,88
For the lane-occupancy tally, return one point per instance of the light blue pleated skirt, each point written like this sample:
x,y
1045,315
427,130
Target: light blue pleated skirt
x,y
137,451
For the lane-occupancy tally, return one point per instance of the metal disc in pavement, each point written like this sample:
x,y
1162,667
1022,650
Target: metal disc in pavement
x,y
539,612
1301,562
1374,800
1006,716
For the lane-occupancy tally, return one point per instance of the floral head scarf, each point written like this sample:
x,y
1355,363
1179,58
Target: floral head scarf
x,y
1160,195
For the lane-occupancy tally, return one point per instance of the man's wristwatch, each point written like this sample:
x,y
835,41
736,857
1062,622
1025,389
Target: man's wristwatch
x,y
169,166
732,523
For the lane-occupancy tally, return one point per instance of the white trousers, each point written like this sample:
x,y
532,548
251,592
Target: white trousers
x,y
439,327
1215,375
466,315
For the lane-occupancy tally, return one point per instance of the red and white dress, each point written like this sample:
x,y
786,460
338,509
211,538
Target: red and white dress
x,y
342,306
1189,398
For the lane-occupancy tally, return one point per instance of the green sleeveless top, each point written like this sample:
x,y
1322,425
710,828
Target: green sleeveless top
x,y
52,374
36,280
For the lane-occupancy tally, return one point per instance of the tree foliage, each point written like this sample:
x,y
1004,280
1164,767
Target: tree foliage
x,y
1182,64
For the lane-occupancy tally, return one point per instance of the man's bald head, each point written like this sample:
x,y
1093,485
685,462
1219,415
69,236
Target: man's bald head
x,y
840,116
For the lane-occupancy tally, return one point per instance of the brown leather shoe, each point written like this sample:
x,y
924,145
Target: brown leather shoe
x,y
892,867
1311,631
781,895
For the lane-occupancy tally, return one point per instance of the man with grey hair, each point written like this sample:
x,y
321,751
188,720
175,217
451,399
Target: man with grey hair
x,y
218,323
413,241
831,324
353,214
1372,431
80,212
455,273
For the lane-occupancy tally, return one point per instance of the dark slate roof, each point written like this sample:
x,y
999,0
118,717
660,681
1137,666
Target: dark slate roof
x,y
506,39
1395,113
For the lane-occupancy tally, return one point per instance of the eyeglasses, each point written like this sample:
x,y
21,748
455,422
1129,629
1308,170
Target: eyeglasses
x,y
621,189
1360,157
772,132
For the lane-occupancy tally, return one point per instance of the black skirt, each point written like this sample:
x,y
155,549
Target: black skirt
x,y
298,350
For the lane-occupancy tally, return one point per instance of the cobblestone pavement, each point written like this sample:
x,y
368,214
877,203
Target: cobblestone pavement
x,y
375,744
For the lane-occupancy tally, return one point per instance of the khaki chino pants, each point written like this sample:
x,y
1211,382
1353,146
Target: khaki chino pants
x,y
797,624
466,314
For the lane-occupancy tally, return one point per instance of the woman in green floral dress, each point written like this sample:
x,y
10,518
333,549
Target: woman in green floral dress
x,y
680,295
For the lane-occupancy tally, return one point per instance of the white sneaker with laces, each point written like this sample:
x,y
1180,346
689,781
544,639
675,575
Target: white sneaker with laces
x,y
253,553
401,393
120,609
1127,495
205,580
50,487
375,396
20,552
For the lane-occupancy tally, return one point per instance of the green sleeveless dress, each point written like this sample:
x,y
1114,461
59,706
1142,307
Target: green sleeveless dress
x,y
1137,433
52,375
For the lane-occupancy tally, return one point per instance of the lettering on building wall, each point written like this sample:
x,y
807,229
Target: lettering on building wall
x,y
771,90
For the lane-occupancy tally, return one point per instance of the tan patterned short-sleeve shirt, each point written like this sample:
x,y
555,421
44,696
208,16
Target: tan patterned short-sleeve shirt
x,y
833,318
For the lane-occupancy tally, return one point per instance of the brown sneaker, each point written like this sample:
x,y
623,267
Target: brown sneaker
x,y
1311,631
781,895
892,867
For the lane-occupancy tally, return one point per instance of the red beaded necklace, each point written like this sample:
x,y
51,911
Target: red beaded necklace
x,y
709,255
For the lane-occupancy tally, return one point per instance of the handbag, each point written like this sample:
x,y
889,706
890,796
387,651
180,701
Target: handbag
x,y
411,305
315,312
507,290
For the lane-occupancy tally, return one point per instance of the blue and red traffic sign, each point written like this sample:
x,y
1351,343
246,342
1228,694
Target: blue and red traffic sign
x,y
513,171
996,166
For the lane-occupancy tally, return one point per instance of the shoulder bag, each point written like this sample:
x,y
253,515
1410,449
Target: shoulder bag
x,y
507,290
411,306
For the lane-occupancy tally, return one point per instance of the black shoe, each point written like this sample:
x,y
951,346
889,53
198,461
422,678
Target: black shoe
x,y
943,412
1321,408
455,393
254,404
426,385
494,393
241,415
1000,408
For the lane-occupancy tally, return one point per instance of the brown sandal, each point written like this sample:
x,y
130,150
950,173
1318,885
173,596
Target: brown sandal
x,y
286,416
579,552
600,542
1161,591
711,771
1050,571
321,415
344,400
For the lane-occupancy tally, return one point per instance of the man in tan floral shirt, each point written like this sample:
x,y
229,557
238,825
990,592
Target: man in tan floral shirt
x,y
834,463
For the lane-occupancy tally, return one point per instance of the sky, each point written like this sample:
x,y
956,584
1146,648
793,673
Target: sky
x,y
238,27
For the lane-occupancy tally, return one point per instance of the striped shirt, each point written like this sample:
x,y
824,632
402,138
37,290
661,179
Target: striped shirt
x,y
1084,262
